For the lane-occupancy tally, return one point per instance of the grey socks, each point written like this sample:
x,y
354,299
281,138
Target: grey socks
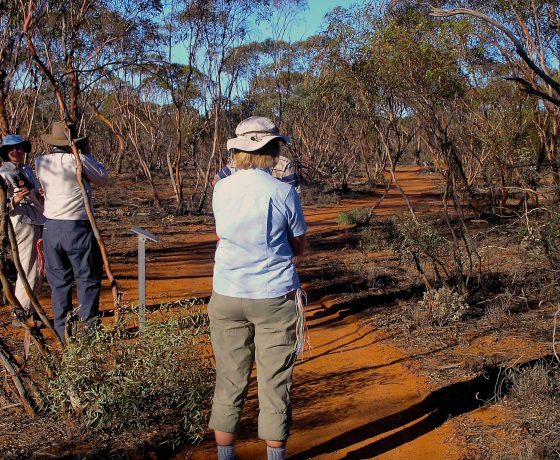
x,y
276,453
273,453
226,452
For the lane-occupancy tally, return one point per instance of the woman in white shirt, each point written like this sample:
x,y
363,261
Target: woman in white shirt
x,y
253,312
71,249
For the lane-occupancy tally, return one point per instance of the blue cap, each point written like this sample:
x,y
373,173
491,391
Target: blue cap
x,y
14,139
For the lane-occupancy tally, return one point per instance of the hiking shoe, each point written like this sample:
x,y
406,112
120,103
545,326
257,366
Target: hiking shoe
x,y
38,323
18,324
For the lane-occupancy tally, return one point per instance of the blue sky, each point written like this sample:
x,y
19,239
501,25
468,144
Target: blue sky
x,y
310,20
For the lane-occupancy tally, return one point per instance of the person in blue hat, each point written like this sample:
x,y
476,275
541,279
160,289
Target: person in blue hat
x,y
25,206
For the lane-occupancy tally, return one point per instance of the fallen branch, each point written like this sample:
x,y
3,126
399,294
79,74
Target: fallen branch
x,y
11,406
554,333
13,370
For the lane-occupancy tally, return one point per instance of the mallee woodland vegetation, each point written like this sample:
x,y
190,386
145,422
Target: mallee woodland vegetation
x,y
426,136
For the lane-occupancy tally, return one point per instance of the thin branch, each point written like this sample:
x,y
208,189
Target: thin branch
x,y
554,333
519,48
530,89
14,371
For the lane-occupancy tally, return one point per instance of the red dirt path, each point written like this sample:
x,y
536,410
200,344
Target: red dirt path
x,y
354,395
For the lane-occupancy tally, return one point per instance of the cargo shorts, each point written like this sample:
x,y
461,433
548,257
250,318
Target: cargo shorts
x,y
244,331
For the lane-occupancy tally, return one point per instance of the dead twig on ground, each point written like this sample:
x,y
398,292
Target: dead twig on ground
x,y
554,333
13,370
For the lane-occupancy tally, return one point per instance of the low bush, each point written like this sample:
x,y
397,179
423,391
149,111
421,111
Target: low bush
x,y
378,177
534,396
440,307
498,312
364,273
356,216
549,233
530,383
374,239
313,195
107,383
420,237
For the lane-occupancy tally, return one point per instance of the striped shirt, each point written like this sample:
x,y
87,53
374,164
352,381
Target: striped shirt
x,y
283,170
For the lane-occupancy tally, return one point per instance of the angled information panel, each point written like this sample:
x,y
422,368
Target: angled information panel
x,y
145,234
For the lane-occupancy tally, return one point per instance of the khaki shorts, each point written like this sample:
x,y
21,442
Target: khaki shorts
x,y
244,331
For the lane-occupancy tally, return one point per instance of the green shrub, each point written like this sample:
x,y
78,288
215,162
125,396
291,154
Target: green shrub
x,y
374,239
356,216
419,237
107,383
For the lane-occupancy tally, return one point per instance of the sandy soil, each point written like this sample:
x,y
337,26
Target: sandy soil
x,y
354,393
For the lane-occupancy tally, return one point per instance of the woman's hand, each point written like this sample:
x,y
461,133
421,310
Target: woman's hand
x,y
85,149
299,244
40,194
20,195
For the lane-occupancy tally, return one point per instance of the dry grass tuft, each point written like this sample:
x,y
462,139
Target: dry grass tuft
x,y
531,383
356,216
440,307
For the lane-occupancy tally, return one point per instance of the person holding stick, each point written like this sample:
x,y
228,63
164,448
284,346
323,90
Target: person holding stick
x,y
71,249
25,207
256,309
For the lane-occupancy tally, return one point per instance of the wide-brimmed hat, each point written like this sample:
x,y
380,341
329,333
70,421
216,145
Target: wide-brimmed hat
x,y
61,135
12,140
254,133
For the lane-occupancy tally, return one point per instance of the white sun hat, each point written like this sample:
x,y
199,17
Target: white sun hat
x,y
254,133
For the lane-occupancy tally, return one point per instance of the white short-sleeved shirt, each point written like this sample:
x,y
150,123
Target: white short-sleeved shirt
x,y
57,174
255,215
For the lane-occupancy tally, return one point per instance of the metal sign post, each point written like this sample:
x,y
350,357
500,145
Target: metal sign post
x,y
143,235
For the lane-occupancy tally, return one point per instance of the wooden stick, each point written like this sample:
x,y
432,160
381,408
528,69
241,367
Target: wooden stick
x,y
13,369
63,110
11,406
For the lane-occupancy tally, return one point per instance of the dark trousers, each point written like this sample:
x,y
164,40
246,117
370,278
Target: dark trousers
x,y
72,253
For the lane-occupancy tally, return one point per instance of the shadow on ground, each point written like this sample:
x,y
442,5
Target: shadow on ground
x,y
418,419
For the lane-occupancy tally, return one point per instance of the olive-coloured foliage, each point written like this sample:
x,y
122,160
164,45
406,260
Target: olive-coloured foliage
x,y
106,383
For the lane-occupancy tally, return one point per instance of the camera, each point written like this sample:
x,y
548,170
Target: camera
x,y
20,181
